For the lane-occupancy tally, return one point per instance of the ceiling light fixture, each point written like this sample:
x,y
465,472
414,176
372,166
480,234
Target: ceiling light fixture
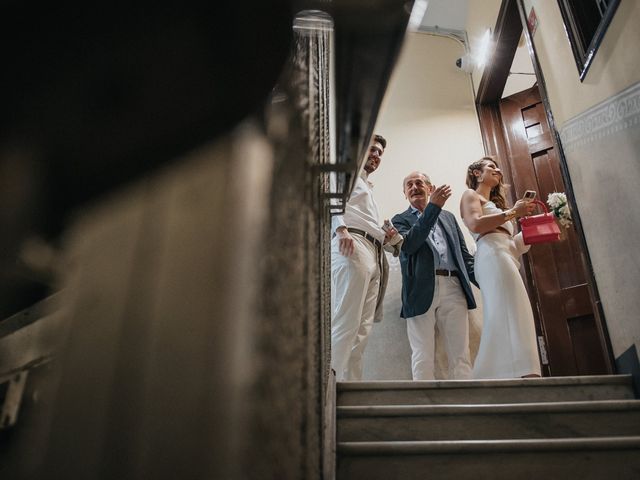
x,y
485,49
417,14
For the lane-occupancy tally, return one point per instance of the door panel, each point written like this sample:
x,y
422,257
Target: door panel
x,y
556,272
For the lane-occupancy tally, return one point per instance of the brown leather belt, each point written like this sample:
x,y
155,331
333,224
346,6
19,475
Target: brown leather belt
x,y
447,273
364,234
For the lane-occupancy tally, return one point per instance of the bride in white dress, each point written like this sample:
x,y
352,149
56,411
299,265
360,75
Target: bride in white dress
x,y
508,342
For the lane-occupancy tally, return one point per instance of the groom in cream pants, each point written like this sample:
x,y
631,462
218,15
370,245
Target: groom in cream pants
x,y
357,271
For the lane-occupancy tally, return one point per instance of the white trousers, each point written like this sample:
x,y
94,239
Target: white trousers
x,y
450,313
355,281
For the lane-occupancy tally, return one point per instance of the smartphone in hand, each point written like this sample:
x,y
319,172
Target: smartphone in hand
x,y
386,226
529,195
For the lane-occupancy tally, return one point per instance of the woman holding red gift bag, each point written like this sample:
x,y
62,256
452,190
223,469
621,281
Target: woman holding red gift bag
x,y
508,342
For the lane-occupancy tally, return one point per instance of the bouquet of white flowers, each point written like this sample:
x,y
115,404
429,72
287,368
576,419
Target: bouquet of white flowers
x,y
557,202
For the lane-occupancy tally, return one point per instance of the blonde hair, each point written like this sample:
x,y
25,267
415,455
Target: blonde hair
x,y
498,193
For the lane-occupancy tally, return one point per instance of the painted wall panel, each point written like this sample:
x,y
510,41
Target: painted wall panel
x,y
602,145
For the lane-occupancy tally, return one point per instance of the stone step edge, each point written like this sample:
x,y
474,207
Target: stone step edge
x,y
487,409
487,446
625,379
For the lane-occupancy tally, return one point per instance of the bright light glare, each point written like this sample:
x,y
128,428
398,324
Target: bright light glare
x,y
484,50
417,14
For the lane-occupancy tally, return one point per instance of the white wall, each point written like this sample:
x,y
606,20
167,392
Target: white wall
x,y
429,120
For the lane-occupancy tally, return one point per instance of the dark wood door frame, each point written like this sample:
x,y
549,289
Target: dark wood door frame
x,y
506,35
511,23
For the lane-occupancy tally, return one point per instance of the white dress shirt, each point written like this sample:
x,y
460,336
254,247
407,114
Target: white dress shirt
x,y
439,243
361,210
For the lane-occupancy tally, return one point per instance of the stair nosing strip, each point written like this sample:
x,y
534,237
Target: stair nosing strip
x,y
486,446
487,409
605,380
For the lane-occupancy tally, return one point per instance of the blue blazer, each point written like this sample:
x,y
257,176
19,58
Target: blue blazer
x,y
417,258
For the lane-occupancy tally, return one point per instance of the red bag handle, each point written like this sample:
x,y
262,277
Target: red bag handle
x,y
541,204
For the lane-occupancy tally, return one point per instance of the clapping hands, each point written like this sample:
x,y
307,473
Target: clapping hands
x,y
440,195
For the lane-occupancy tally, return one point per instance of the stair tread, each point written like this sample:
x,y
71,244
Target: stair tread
x,y
476,446
490,408
457,384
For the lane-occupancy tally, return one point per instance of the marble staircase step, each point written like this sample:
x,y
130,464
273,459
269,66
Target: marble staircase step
x,y
552,389
562,458
494,421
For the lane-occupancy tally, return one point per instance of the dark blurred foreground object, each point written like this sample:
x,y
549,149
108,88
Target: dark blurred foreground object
x,y
95,95
171,351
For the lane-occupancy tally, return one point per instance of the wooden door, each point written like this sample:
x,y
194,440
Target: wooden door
x,y
567,319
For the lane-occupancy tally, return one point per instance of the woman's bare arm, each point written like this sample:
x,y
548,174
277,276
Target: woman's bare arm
x,y
473,217
476,221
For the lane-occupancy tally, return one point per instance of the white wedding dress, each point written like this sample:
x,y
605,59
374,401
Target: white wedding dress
x,y
508,346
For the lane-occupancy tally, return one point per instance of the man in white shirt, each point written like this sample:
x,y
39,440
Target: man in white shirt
x,y
356,268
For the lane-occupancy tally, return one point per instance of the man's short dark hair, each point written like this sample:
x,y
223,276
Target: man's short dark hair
x,y
381,140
